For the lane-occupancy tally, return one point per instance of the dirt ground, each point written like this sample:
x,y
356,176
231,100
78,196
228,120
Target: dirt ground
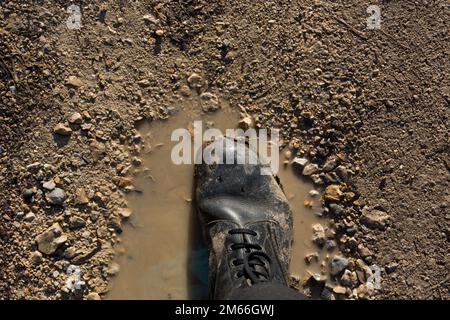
x,y
369,107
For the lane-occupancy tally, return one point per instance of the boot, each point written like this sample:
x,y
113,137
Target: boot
x,y
246,220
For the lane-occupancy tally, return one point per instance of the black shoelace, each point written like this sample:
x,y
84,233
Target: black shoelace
x,y
251,259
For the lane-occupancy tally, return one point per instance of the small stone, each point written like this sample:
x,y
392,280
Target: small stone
x,y
330,245
126,213
210,102
150,19
20,215
313,193
312,257
329,165
299,163
74,81
62,130
339,290
349,279
318,236
75,118
310,169
246,123
49,185
391,267
333,192
76,222
56,197
195,81
28,194
335,209
342,173
93,296
159,32
81,197
113,269
50,240
337,265
36,257
363,251
30,216
374,219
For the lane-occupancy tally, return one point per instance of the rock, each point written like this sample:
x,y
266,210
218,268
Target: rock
x,y
329,165
335,208
337,265
374,219
36,257
20,215
93,296
299,163
74,81
76,222
150,20
333,192
81,197
339,290
342,173
318,236
330,245
363,251
49,185
56,197
75,118
62,130
125,213
246,123
113,269
28,194
115,224
313,193
195,81
30,216
210,102
349,279
50,240
159,33
310,169
312,257
391,267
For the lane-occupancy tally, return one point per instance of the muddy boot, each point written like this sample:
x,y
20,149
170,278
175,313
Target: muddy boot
x,y
246,221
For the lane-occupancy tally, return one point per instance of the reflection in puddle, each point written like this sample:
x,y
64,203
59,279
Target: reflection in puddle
x,y
162,255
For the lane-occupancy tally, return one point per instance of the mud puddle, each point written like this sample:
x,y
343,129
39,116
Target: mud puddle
x,y
161,255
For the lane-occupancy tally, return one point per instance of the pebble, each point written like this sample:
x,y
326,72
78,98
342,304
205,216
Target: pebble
x,y
81,197
330,245
312,257
49,185
74,81
337,265
363,251
313,193
56,197
299,162
125,213
76,222
335,208
93,296
62,130
113,269
374,219
342,173
36,257
28,194
75,118
30,216
210,102
349,279
310,169
246,123
333,192
318,236
339,290
391,267
195,80
329,165
50,240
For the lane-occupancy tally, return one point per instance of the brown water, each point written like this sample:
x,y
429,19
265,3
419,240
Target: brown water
x,y
161,255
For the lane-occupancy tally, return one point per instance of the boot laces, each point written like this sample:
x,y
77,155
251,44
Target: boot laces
x,y
253,256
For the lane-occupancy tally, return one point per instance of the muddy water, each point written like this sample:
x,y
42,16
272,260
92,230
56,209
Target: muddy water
x,y
161,254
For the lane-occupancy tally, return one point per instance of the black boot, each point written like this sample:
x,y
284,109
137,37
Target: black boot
x,y
246,220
